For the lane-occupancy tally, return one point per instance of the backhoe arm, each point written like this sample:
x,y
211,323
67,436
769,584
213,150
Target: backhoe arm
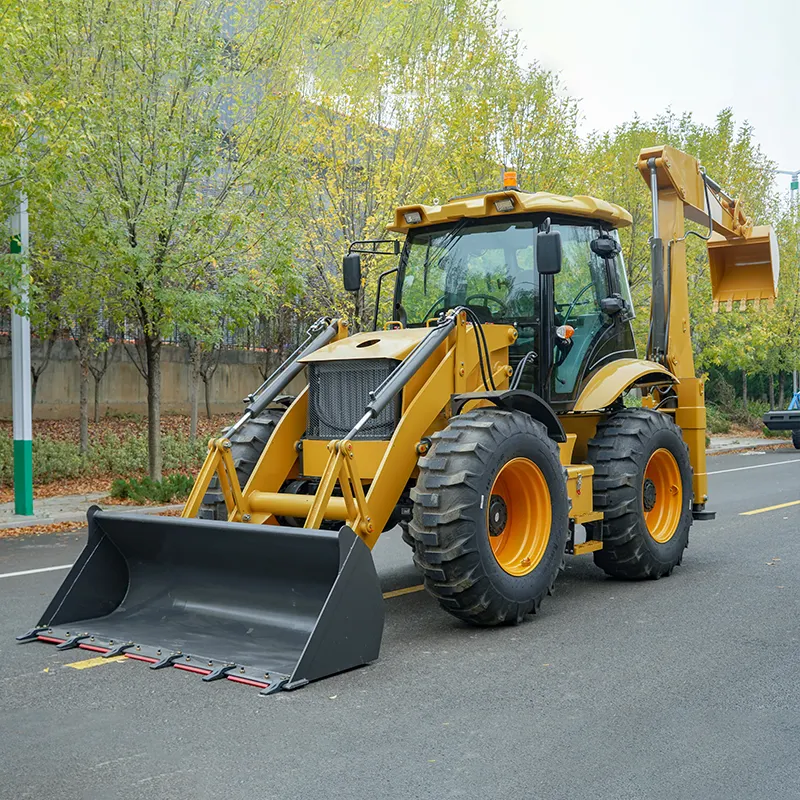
x,y
743,262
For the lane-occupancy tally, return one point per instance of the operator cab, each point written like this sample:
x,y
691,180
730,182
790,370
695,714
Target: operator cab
x,y
483,252
487,261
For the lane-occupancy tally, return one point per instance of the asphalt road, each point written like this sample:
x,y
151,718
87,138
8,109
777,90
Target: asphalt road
x,y
685,687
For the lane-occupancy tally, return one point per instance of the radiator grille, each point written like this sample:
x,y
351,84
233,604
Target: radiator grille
x,y
338,392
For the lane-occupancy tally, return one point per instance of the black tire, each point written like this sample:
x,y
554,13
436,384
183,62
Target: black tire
x,y
405,534
247,444
796,439
620,453
450,520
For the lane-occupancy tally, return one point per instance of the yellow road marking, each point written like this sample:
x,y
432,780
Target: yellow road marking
x,y
407,590
769,508
95,662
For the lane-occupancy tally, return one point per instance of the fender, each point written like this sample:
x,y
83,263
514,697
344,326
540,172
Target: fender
x,y
612,380
516,400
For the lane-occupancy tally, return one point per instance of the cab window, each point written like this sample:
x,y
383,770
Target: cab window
x,y
578,290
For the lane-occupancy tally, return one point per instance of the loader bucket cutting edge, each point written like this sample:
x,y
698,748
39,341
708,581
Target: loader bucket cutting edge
x,y
264,605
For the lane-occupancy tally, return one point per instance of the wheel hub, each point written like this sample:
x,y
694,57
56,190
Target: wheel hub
x,y
498,515
649,495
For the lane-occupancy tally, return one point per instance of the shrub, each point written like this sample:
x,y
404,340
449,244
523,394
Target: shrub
x,y
182,453
723,394
768,434
716,420
171,487
112,455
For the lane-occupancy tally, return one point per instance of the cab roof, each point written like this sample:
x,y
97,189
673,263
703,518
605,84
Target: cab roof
x,y
483,206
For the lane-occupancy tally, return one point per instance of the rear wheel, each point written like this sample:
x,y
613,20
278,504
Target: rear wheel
x,y
796,439
491,516
643,485
247,444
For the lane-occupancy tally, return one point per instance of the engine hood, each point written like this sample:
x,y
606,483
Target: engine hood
x,y
396,344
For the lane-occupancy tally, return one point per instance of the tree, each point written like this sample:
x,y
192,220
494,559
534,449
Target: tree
x,y
184,107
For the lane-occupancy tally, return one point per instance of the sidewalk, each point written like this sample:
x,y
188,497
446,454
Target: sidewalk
x,y
732,444
69,508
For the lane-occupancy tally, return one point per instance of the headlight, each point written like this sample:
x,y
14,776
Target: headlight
x,y
506,204
412,217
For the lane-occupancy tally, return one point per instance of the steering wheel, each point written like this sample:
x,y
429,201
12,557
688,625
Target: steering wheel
x,y
429,312
491,298
575,302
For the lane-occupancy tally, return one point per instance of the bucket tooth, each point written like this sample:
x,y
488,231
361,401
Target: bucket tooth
x,y
73,641
262,604
118,649
32,635
167,661
219,673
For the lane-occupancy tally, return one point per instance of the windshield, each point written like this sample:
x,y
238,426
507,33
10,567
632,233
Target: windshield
x,y
486,267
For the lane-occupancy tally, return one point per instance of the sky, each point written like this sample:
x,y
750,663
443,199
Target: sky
x,y
699,56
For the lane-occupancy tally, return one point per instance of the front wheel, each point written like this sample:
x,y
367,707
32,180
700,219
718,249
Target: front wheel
x,y
491,516
796,439
643,485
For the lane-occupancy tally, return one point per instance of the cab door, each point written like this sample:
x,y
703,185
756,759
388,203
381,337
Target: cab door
x,y
584,281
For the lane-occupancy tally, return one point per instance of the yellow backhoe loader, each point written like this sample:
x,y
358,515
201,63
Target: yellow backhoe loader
x,y
486,419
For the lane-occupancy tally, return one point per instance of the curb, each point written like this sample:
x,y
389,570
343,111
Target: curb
x,y
767,444
78,516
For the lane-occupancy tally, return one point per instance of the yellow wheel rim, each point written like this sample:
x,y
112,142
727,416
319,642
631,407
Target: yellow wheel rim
x,y
519,516
662,495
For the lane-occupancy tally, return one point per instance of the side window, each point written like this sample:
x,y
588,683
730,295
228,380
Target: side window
x,y
622,281
579,288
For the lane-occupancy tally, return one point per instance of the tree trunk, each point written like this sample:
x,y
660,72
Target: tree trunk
x,y
194,386
153,355
771,392
97,398
781,390
208,404
744,389
34,384
84,402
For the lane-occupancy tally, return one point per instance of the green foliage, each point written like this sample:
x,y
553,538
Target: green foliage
x,y
768,434
717,420
171,488
110,455
52,460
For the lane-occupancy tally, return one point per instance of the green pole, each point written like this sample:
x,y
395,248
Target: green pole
x,y
21,371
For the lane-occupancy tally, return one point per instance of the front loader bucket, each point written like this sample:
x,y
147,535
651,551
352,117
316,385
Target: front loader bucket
x,y
271,606
744,269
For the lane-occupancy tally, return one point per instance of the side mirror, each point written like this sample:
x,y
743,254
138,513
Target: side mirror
x,y
351,272
548,253
612,305
605,247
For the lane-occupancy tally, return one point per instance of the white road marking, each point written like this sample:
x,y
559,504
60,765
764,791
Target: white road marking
x,y
33,571
756,466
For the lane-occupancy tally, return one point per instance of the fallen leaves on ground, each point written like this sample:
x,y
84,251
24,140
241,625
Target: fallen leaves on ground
x,y
36,530
65,527
68,430
66,486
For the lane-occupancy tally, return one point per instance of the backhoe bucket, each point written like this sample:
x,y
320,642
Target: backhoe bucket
x,y
270,606
744,269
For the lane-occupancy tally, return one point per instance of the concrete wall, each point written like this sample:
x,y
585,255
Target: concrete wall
x,y
123,389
